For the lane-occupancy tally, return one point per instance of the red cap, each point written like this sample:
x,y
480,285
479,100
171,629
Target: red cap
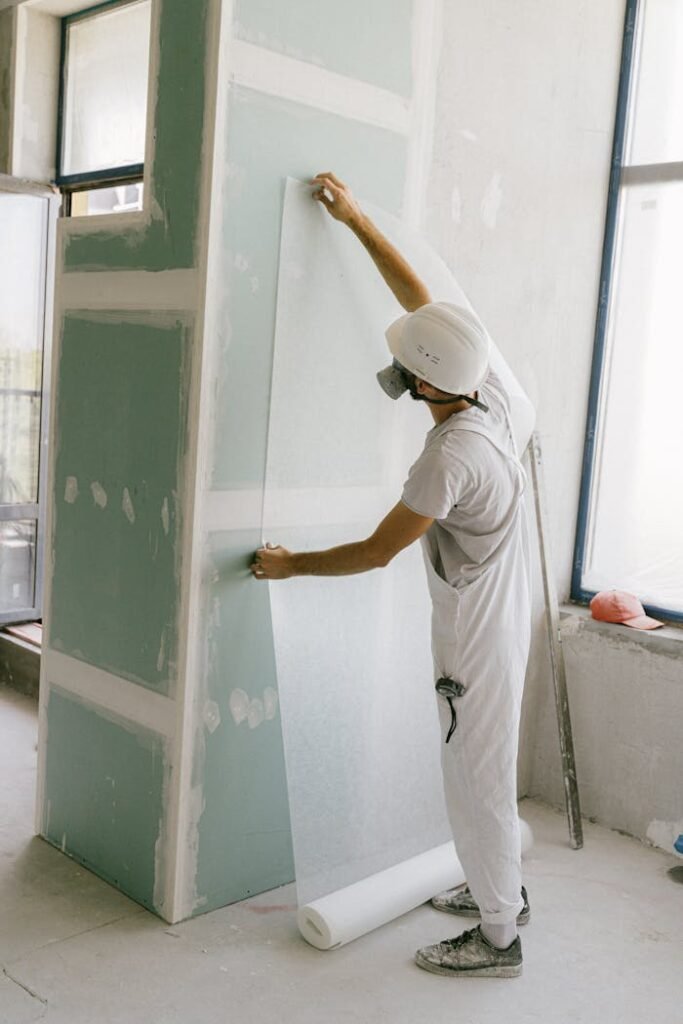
x,y
618,606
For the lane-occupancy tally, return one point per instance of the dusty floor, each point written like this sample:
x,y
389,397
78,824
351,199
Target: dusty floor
x,y
605,944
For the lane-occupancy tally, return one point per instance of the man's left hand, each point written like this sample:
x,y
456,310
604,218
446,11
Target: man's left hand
x,y
272,562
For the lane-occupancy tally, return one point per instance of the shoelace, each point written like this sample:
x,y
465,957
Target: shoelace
x,y
461,939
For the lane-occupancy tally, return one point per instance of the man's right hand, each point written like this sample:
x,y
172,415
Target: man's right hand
x,y
340,203
337,198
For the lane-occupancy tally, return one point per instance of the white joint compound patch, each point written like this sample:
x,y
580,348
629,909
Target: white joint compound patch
x,y
127,506
99,495
71,490
456,205
165,520
256,713
490,204
239,706
161,657
212,716
270,702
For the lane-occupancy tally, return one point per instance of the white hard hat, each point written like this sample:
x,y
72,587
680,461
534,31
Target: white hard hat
x,y
441,343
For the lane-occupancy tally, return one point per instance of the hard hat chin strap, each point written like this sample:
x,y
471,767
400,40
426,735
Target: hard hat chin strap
x,y
415,394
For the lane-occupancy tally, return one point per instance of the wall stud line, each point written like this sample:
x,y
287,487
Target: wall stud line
x,y
302,82
142,290
427,15
137,704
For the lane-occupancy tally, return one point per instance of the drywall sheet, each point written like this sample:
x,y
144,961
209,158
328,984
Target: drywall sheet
x,y
368,42
352,654
244,841
268,139
121,435
105,782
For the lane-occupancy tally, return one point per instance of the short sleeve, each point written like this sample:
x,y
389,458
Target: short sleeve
x,y
434,484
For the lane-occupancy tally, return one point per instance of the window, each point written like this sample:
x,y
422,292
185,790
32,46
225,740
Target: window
x,y
631,507
103,107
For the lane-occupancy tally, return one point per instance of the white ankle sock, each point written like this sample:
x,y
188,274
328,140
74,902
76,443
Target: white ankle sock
x,y
500,935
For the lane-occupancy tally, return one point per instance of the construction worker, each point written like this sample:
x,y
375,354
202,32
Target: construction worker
x,y
463,500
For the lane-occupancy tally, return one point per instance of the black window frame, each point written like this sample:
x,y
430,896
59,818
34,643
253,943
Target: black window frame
x,y
128,174
579,593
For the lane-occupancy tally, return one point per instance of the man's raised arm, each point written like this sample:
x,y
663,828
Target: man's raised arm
x,y
341,204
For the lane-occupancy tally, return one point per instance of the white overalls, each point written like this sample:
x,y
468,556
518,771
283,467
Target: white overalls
x,y
480,639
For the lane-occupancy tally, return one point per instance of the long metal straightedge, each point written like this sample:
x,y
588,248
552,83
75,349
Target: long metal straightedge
x,y
552,615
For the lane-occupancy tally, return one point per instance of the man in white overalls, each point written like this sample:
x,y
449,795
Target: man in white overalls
x,y
463,500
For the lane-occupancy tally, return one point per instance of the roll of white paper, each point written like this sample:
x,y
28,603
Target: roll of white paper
x,y
345,915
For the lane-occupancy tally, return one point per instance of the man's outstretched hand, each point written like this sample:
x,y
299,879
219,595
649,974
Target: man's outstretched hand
x,y
272,563
342,205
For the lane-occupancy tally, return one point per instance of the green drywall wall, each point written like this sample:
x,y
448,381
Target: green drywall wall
x,y
104,787
367,41
244,832
170,240
268,140
7,31
120,423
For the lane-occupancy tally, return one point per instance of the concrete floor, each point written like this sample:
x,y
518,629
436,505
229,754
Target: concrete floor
x,y
605,944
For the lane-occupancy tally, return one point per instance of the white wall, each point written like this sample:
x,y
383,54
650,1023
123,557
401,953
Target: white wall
x,y
36,95
517,197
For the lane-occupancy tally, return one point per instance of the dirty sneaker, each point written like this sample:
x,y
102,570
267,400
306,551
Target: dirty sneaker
x,y
471,955
461,902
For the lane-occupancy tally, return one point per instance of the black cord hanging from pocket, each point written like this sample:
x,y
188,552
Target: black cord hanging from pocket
x,y
449,688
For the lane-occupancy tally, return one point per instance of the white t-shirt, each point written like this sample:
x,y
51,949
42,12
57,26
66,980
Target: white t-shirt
x,y
466,485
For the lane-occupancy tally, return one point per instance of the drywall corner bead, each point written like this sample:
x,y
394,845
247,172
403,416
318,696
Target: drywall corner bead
x,y
195,812
162,841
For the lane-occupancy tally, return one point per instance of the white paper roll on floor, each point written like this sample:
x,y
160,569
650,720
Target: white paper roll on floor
x,y
345,915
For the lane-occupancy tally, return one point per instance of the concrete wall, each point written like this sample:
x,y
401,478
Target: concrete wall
x,y
517,198
627,690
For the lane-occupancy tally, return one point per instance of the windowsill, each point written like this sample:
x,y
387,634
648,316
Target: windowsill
x,y
666,641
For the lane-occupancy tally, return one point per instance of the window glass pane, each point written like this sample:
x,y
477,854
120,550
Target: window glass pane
x,y
107,63
22,284
113,199
17,564
637,506
657,111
